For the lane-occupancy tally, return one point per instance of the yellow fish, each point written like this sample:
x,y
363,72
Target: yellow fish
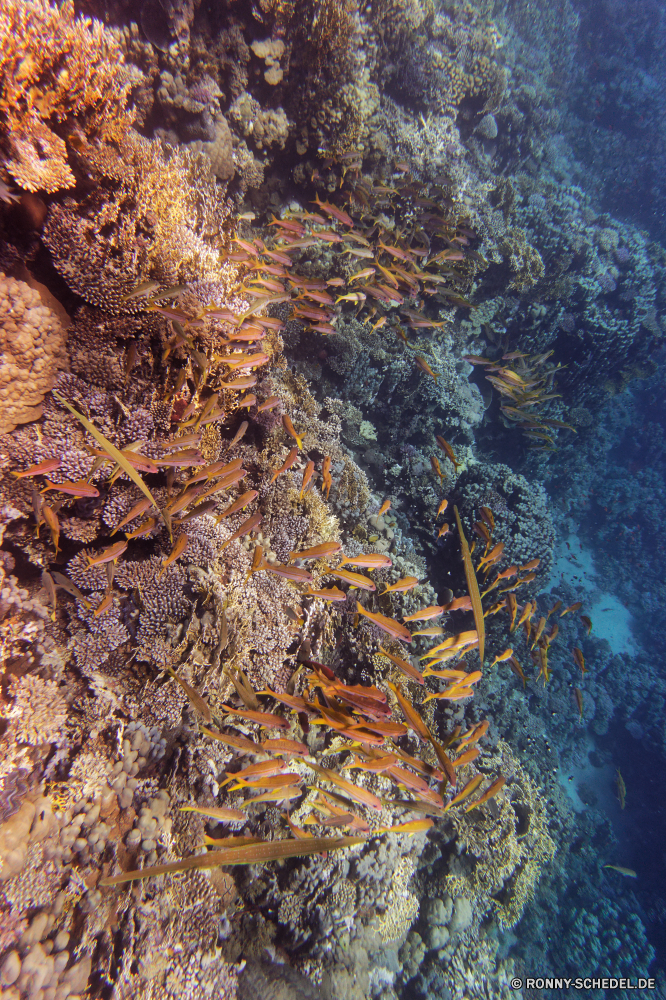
x,y
406,583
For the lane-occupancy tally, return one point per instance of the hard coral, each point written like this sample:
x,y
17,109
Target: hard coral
x,y
32,345
58,73
159,220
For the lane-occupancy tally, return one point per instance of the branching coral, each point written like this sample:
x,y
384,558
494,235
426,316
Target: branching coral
x,y
59,74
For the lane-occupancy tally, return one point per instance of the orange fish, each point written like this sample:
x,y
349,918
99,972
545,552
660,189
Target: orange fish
x,y
108,554
532,564
443,505
246,527
143,529
295,573
556,607
406,583
289,427
103,605
580,660
448,451
434,611
317,552
407,668
587,622
489,793
80,488
307,476
268,404
372,560
444,530
332,594
384,507
512,606
291,459
501,657
239,434
470,787
178,548
434,461
48,465
579,701
238,504
355,579
390,625
51,519
361,795
425,367
139,508
572,607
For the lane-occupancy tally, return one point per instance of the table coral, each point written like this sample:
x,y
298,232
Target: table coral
x,y
58,73
32,344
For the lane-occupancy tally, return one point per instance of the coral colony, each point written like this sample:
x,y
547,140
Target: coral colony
x,y
295,330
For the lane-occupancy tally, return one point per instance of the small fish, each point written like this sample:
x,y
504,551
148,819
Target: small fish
x,y
70,588
384,507
41,469
49,585
234,740
579,701
245,529
556,607
406,583
238,504
53,524
264,769
628,872
80,488
488,517
136,511
247,401
372,560
295,573
104,605
436,468
201,508
192,694
532,564
539,629
178,549
289,427
330,594
307,476
407,668
390,625
239,434
143,529
286,748
489,793
317,552
470,787
621,789
142,289
572,607
474,734
448,451
424,366
241,383
355,579
434,611
431,631
501,657
355,792
443,505
587,622
220,813
182,459
263,718
291,460
108,554
517,669
268,404
580,659
444,530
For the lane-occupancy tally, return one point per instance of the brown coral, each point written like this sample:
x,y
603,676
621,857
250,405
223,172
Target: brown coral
x,y
58,73
32,347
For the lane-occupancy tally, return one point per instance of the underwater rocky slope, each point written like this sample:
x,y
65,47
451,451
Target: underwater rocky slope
x,y
309,327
